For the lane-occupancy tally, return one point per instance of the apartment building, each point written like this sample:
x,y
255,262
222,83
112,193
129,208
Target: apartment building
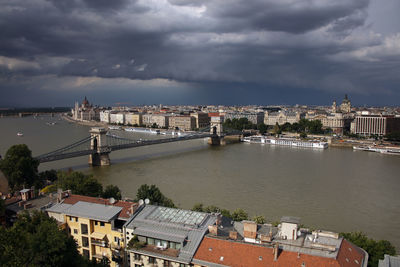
x,y
168,237
117,118
133,119
96,224
202,119
381,125
282,117
185,123
255,118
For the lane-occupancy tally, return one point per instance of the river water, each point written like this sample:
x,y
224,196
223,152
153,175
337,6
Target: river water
x,y
335,189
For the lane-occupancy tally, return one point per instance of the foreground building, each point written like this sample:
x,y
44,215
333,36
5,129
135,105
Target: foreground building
x,y
169,237
248,244
96,224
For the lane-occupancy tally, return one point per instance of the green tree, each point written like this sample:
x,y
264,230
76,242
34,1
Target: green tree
x,y
239,215
259,219
198,207
395,136
375,249
35,240
2,207
112,191
154,194
79,183
277,130
262,128
19,167
50,175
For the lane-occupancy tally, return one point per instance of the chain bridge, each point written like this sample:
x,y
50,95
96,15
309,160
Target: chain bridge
x,y
101,143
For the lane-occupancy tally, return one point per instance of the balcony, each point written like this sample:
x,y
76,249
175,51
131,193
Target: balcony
x,y
100,243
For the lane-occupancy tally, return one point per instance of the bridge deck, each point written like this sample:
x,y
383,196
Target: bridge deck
x,y
121,144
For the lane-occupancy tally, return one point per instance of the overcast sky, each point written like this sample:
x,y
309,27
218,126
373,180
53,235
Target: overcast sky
x,y
53,52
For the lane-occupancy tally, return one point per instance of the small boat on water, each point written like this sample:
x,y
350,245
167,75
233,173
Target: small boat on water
x,y
379,149
20,134
114,127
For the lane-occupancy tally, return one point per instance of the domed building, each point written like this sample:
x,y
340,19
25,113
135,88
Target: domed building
x,y
85,111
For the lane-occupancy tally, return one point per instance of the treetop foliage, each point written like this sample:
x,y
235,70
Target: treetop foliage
x,y
155,196
35,240
375,249
19,167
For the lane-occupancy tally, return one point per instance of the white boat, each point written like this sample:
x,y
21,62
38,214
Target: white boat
x,y
143,130
379,149
114,127
20,134
296,143
286,142
256,139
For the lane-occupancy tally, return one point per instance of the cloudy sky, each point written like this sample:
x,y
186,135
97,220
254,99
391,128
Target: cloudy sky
x,y
53,52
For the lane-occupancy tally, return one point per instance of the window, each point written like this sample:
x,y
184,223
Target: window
x,y
84,229
221,258
86,253
76,219
116,239
70,218
95,222
178,246
167,263
150,241
85,242
152,260
172,245
102,224
76,231
260,258
182,265
138,265
138,257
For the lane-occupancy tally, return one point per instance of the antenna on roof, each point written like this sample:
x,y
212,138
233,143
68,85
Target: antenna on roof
x,y
111,200
141,202
147,201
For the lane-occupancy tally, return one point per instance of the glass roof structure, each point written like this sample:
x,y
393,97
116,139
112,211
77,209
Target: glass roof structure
x,y
177,216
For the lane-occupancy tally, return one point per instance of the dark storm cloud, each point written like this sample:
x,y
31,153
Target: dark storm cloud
x,y
316,44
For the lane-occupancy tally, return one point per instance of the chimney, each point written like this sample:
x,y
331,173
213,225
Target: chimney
x,y
250,229
213,229
132,210
219,219
233,235
276,251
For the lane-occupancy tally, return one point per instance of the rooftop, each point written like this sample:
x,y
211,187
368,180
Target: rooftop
x,y
176,225
93,211
127,207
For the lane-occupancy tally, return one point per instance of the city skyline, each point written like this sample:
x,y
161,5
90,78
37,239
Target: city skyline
x,y
52,53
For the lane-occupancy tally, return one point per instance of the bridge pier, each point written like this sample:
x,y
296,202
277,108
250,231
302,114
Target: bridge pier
x,y
216,141
99,159
216,130
99,143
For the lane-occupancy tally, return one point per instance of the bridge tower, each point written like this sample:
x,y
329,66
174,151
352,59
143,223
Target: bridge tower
x,y
99,144
216,129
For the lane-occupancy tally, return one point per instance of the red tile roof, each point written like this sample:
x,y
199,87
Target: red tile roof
x,y
350,254
237,254
125,205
